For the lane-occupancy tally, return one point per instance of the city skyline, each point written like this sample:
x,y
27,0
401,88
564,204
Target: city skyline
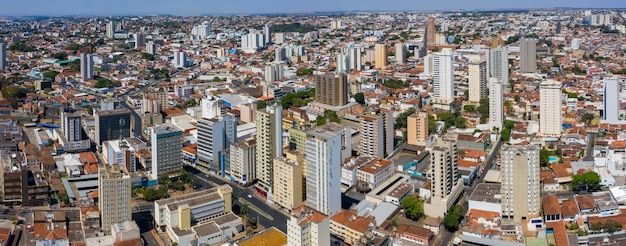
x,y
191,7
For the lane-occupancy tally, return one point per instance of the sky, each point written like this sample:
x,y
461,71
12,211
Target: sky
x,y
201,7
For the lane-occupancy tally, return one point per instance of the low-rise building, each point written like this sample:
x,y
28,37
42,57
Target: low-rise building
x,y
307,226
375,172
350,227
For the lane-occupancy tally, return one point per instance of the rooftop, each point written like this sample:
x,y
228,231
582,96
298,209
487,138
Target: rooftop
x,y
486,192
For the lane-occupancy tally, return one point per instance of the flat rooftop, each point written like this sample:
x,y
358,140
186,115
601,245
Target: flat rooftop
x,y
271,237
486,192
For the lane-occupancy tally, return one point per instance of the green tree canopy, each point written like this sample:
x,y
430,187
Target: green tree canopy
x,y
453,218
360,98
401,121
587,181
413,207
460,122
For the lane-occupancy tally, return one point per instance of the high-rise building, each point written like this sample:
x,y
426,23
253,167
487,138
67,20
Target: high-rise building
x,y
243,161
274,72
280,54
528,55
180,59
576,43
323,170
496,102
477,69
267,31
611,102
202,31
214,135
71,126
443,74
111,125
428,65
3,54
331,89
499,65
86,66
308,227
110,30
354,58
497,43
400,53
521,187
167,141
140,40
446,186
114,189
380,51
120,152
417,129
151,48
269,133
377,134
288,183
550,120
430,31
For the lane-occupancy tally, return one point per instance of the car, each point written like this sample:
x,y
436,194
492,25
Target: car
x,y
250,196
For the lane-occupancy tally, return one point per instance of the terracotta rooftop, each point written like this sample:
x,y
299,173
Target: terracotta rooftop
x,y
375,166
569,208
586,202
550,205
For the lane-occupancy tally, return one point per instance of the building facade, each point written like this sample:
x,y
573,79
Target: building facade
x,y
521,188
611,100
446,186
443,74
288,183
323,170
114,189
331,89
380,60
167,142
269,133
215,135
417,128
551,118
111,125
477,69
496,103
528,55
243,161
308,227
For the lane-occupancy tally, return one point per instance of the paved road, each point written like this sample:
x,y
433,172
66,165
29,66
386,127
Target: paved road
x,y
449,236
591,140
258,209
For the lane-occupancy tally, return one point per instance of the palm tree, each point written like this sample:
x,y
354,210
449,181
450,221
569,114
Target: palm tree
x,y
245,208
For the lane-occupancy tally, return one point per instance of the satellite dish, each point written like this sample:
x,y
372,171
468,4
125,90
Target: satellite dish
x,y
13,155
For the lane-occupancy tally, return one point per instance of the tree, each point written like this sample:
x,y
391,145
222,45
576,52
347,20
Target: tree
x,y
147,56
321,120
178,185
164,179
51,74
432,126
544,157
509,124
261,104
460,122
587,181
60,56
401,121
14,93
483,110
360,98
447,117
469,108
453,218
505,134
611,226
413,207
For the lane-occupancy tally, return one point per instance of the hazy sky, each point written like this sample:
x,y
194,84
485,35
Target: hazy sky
x,y
198,7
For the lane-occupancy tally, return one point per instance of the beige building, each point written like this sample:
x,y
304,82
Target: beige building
x,y
269,136
350,227
377,134
243,160
528,55
287,183
551,120
114,189
521,188
477,70
445,185
247,112
376,172
380,51
309,227
417,129
331,89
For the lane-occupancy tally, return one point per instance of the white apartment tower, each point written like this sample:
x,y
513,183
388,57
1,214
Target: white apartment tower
x,y
496,108
323,170
499,64
167,141
214,135
110,30
400,53
140,40
86,66
477,78
114,188
446,186
611,102
550,118
521,188
243,161
269,133
443,74
3,54
180,59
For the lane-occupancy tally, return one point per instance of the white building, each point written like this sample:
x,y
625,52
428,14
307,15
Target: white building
x,y
477,70
610,113
443,74
308,227
496,103
323,170
400,53
576,43
521,187
499,65
214,135
274,73
243,161
376,172
151,48
550,120
180,59
202,31
140,40
86,66
3,55
167,141
119,152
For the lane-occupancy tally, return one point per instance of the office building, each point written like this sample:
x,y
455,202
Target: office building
x,y
521,187
477,69
288,183
443,74
202,31
496,103
167,142
214,135
499,64
323,170
111,125
243,161
114,193
151,48
417,129
446,185
180,59
308,227
86,66
400,53
120,152
3,55
110,30
273,73
528,55
71,126
267,31
430,31
380,53
610,113
280,54
551,119
140,40
377,134
331,89
269,133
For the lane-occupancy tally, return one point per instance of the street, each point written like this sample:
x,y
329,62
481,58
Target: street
x,y
266,215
